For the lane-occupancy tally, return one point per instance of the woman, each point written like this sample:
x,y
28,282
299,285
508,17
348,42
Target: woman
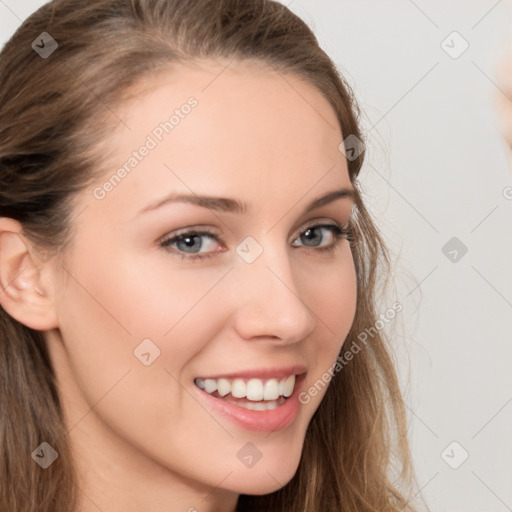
x,y
187,268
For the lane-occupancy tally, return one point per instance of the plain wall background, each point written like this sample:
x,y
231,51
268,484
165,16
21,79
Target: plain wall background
x,y
436,169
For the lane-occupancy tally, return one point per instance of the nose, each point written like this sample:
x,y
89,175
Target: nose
x,y
269,300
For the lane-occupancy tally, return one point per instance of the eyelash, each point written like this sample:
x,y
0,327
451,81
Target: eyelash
x,y
340,232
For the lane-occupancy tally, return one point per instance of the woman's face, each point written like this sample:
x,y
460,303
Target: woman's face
x,y
270,293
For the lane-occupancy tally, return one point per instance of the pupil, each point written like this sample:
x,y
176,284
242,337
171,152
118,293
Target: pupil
x,y
189,241
309,234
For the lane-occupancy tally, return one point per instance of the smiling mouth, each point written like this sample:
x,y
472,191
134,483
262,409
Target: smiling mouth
x,y
253,394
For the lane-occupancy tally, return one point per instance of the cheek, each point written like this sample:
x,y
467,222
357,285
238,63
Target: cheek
x,y
334,302
105,314
119,314
334,298
127,298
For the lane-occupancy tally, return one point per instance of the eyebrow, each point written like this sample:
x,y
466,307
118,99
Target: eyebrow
x,y
229,205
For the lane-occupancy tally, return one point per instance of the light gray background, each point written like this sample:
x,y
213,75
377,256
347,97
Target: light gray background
x,y
436,169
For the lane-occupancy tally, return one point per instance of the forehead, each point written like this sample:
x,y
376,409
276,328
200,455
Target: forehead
x,y
225,128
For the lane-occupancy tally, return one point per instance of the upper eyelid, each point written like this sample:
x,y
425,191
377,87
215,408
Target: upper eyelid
x,y
198,229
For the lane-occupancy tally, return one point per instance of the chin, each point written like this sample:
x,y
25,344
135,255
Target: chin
x,y
264,480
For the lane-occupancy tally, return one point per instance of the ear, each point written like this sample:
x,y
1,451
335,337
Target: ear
x,y
22,292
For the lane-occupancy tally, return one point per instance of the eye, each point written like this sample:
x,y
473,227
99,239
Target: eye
x,y
314,234
188,244
189,240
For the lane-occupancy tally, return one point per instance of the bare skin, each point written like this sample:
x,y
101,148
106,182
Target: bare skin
x,y
503,100
143,436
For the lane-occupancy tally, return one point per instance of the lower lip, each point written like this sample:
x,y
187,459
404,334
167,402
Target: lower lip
x,y
260,421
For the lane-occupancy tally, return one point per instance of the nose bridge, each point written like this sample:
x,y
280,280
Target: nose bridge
x,y
269,300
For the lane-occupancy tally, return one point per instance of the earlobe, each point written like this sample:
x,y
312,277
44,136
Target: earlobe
x,y
22,294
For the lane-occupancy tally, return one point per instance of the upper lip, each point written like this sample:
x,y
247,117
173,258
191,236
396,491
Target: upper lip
x,y
261,373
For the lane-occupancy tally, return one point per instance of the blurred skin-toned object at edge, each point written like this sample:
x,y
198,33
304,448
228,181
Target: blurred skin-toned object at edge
x,y
503,97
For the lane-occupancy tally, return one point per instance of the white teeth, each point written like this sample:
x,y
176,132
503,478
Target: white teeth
x,y
271,390
223,387
289,384
257,406
260,406
210,385
238,388
255,390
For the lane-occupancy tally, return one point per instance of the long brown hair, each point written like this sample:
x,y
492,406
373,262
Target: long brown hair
x,y
54,114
